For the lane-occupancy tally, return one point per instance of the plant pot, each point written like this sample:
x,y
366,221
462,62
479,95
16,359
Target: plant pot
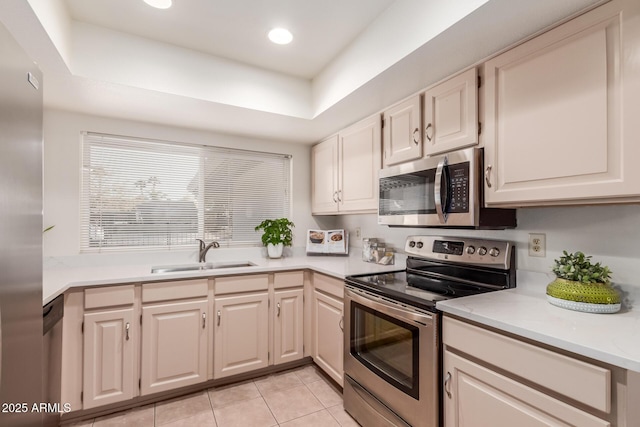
x,y
275,251
589,298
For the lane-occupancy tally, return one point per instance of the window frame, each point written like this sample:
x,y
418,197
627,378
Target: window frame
x,y
207,155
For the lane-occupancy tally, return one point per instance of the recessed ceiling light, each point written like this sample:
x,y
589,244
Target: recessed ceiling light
x,y
280,36
159,4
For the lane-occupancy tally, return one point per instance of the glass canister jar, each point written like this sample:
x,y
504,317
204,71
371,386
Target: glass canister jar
x,y
369,247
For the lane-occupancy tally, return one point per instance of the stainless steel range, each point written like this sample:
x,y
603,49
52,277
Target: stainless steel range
x,y
392,327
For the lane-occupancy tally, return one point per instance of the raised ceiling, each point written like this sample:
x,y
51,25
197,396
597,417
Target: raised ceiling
x,y
237,29
207,64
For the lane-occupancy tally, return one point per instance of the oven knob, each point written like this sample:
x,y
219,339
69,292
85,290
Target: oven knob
x,y
412,244
482,250
494,252
419,245
471,250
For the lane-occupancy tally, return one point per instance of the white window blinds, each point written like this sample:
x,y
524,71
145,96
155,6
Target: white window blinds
x,y
139,194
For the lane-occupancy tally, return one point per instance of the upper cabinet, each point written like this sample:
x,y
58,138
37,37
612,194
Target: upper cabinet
x,y
345,170
451,114
324,176
562,113
403,132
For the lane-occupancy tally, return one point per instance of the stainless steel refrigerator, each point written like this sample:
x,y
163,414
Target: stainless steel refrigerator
x,y
20,236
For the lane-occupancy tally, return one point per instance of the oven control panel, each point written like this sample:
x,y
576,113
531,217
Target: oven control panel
x,y
490,253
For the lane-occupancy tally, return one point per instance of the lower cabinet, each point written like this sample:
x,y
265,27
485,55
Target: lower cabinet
x,y
491,379
174,345
328,321
125,341
109,357
259,322
482,397
288,325
241,338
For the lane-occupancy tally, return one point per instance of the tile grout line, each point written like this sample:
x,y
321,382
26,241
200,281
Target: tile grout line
x,y
265,402
297,373
333,416
211,405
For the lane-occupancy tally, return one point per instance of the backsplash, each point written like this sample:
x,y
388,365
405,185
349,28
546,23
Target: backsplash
x,y
609,233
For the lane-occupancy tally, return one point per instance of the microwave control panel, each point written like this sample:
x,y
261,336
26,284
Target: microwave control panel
x,y
458,188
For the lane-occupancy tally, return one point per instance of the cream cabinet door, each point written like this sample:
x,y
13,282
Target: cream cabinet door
x,y
402,132
241,336
451,114
562,113
328,335
360,152
475,396
174,345
110,338
288,326
324,176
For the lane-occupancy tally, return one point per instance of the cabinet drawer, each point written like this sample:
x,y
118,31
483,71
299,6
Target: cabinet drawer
x,y
108,296
329,285
237,284
575,379
288,279
179,289
480,394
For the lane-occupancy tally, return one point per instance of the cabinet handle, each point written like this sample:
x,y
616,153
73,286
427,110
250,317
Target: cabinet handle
x,y
426,132
341,323
278,310
204,320
339,194
487,176
126,328
335,195
218,317
447,380
416,139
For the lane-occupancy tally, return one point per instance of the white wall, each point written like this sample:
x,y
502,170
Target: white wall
x,y
611,234
62,165
98,54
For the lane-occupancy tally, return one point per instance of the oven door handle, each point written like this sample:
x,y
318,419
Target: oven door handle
x,y
401,313
438,190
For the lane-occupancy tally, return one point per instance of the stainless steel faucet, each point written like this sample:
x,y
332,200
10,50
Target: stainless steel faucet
x,y
204,248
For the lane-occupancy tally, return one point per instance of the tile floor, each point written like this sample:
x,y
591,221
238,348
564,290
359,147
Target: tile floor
x,y
299,397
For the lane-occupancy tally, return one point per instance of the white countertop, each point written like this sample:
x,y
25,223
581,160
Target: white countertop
x,y
524,311
61,274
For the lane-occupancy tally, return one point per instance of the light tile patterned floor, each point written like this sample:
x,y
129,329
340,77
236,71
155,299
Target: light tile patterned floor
x,y
299,397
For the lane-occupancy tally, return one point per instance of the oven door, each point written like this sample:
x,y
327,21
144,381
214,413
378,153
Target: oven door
x,y
391,359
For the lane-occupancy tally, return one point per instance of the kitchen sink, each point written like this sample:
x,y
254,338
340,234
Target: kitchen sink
x,y
201,266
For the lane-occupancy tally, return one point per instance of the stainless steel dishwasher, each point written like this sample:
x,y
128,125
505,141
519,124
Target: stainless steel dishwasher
x,y
52,314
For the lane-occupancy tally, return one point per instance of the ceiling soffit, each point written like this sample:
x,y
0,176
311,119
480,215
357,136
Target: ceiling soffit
x,y
395,56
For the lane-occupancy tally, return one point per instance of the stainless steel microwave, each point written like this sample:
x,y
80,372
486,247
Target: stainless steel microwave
x,y
440,191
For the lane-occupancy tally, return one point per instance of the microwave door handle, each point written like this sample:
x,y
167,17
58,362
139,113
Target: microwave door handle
x,y
437,190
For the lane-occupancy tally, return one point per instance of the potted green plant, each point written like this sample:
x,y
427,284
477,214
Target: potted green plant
x,y
581,285
277,234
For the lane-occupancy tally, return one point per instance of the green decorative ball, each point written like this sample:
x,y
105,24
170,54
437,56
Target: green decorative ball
x,y
591,293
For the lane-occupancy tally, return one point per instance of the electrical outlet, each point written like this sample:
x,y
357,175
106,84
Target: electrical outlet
x,y
538,244
357,232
